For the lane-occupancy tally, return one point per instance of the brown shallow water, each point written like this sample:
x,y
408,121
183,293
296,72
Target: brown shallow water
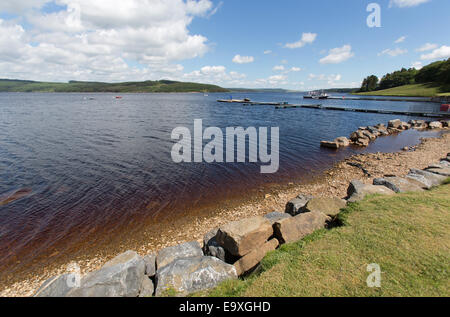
x,y
83,181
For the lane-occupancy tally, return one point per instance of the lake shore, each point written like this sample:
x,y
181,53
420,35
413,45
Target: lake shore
x,y
332,182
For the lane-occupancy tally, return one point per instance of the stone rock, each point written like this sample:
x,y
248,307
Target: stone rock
x,y
395,124
435,125
147,288
249,261
120,277
189,275
57,286
418,124
241,237
357,135
362,142
381,127
170,254
294,207
369,135
444,163
398,184
342,141
446,123
298,227
328,206
330,145
426,178
150,264
357,190
444,171
405,126
276,216
212,248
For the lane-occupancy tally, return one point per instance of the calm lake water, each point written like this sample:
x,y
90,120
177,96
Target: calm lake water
x,y
84,167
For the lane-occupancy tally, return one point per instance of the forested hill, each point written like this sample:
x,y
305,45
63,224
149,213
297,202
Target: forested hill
x,y
162,86
434,77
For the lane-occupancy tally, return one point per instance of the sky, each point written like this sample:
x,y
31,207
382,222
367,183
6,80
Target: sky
x,y
291,44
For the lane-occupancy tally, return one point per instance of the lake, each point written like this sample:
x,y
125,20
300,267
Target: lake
x,y
83,166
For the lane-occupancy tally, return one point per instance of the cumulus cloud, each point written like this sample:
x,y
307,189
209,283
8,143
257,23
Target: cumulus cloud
x,y
338,55
417,65
215,75
439,53
400,40
427,47
295,69
393,52
238,59
406,3
278,68
307,38
101,40
267,52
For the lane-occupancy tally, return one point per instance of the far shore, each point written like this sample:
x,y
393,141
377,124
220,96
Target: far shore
x,y
331,183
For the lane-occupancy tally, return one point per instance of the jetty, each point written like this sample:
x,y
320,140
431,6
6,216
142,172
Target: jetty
x,y
285,105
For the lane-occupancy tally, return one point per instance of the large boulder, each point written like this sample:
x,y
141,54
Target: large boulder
x,y
328,206
150,264
212,248
121,277
427,178
298,227
395,124
444,171
342,141
357,190
57,286
251,260
241,237
398,184
362,142
357,135
295,206
170,254
276,216
435,125
189,275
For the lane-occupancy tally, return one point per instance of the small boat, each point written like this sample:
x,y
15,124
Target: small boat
x,y
118,97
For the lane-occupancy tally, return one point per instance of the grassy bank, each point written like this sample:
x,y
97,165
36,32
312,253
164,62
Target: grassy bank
x,y
408,235
417,90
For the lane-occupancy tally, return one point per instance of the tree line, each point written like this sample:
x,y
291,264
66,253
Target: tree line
x,y
437,72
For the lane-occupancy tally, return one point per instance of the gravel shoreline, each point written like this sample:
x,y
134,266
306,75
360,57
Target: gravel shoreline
x,y
331,183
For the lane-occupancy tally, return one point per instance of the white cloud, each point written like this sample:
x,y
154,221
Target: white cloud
x,y
215,75
101,40
267,52
439,53
238,59
296,69
427,47
400,40
330,79
406,3
417,65
307,38
393,52
338,55
278,68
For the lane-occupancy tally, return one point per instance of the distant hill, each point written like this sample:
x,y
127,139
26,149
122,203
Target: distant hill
x,y
161,86
253,90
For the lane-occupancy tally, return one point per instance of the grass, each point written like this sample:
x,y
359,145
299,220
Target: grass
x,y
408,235
417,90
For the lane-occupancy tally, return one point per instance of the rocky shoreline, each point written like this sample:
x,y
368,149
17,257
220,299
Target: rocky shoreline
x,y
333,184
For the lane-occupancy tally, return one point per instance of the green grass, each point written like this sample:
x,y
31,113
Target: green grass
x,y
417,90
162,86
408,235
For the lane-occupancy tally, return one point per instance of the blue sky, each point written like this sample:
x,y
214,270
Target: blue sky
x,y
291,44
